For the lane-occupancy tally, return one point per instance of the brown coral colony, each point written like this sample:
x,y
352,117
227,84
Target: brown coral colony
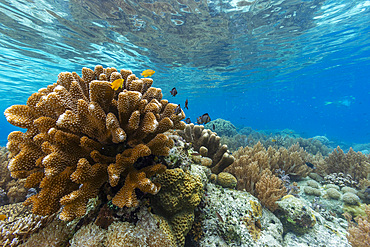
x,y
81,134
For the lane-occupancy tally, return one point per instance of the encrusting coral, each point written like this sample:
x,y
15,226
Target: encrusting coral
x,y
180,194
81,134
207,143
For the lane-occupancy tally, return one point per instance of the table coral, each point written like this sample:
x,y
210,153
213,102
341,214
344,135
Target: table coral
x,y
81,134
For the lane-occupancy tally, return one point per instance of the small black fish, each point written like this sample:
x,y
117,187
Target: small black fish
x,y
187,121
310,165
186,104
177,109
213,127
206,118
199,120
173,92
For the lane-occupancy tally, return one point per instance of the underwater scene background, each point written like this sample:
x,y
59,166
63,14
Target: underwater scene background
x,y
185,123
299,65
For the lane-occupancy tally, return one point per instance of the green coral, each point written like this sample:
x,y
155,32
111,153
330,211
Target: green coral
x,y
180,194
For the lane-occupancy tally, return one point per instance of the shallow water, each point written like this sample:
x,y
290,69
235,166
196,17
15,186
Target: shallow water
x,y
294,64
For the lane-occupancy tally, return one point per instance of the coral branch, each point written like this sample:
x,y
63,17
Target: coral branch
x,y
82,134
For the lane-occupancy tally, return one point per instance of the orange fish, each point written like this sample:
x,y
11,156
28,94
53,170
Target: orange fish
x,y
117,84
147,72
3,217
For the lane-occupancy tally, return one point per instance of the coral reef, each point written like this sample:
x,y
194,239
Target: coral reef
x,y
333,193
19,224
251,161
90,235
340,179
81,134
222,127
270,189
350,198
12,190
207,143
255,165
359,234
57,233
180,193
145,232
236,218
226,180
234,142
295,215
352,163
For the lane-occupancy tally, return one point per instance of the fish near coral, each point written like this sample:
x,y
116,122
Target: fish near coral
x,y
173,92
3,217
188,121
204,119
186,104
177,109
147,72
117,84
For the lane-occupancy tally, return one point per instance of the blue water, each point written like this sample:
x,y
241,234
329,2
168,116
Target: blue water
x,y
297,64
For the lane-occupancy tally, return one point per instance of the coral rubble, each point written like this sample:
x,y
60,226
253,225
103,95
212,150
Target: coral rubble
x,y
81,134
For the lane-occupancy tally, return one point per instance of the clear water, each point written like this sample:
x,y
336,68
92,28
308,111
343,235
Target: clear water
x,y
268,64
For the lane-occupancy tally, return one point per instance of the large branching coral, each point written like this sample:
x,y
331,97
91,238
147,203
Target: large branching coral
x,y
81,134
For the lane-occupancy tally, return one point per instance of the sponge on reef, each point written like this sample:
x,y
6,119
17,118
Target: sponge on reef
x,y
81,134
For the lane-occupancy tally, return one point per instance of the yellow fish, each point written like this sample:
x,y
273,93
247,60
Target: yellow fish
x,y
273,140
117,84
147,72
3,217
